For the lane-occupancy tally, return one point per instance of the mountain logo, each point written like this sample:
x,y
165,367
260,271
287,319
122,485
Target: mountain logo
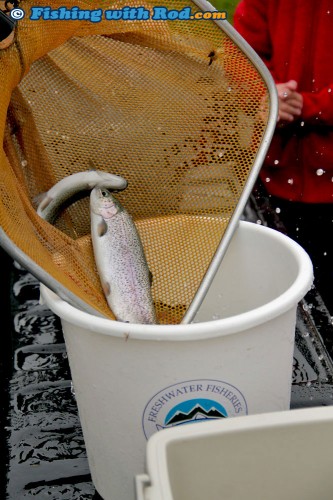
x,y
195,410
192,401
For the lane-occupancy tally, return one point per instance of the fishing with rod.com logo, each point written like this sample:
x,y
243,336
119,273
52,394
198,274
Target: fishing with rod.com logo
x,y
192,401
157,13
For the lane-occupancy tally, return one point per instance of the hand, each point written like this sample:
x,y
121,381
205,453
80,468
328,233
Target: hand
x,y
290,101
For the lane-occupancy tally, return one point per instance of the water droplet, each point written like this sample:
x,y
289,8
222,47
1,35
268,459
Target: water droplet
x,y
229,89
325,254
24,163
278,210
215,316
305,335
302,124
276,162
268,179
321,357
259,221
290,181
328,12
329,90
308,384
320,171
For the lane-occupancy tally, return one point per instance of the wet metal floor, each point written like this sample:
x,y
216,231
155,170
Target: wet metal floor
x,y
46,452
43,450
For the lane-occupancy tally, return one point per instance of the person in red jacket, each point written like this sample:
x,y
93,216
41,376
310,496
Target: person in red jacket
x,y
296,44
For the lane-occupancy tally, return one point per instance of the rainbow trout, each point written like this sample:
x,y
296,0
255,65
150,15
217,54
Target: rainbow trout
x,y
71,185
120,259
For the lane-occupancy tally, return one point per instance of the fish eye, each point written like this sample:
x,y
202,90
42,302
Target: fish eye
x,y
104,193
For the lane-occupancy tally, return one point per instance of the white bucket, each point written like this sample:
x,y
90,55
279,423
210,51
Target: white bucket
x,y
271,456
132,380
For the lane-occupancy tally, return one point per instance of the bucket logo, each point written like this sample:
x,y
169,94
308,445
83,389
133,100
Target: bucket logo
x,y
192,401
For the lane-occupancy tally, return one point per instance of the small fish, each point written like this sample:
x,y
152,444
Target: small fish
x,y
120,259
69,186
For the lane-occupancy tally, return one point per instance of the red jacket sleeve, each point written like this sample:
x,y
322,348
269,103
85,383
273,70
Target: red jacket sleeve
x,y
250,20
318,106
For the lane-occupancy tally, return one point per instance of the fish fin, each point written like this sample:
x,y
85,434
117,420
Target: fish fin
x,y
39,198
102,227
91,164
150,277
106,288
44,202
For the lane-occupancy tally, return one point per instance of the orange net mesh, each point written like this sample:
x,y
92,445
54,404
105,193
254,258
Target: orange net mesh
x,y
174,107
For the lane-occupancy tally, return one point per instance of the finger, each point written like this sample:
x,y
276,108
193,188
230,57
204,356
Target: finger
x,y
291,84
295,98
295,111
291,103
292,107
287,112
284,116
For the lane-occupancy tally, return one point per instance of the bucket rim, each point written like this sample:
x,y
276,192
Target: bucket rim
x,y
203,330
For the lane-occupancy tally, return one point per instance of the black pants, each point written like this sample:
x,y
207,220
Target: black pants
x,y
311,225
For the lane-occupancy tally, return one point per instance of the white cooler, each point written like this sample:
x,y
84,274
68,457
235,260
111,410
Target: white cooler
x,y
272,456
